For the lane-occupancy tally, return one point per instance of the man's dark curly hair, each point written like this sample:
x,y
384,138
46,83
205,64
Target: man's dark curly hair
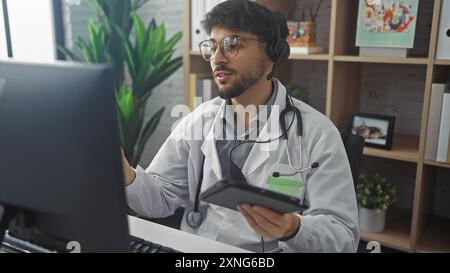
x,y
246,16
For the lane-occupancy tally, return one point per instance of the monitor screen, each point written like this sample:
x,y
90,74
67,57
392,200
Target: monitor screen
x,y
60,162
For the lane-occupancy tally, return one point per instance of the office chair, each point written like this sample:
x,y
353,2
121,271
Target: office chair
x,y
354,146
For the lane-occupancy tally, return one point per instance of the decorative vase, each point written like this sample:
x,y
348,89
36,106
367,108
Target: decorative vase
x,y
371,220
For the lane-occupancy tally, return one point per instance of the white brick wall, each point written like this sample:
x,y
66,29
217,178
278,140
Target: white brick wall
x,y
392,89
170,92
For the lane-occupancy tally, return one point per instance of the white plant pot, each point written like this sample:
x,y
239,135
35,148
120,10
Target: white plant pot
x,y
372,221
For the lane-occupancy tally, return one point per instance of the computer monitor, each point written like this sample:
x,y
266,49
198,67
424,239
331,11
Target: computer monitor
x,y
60,166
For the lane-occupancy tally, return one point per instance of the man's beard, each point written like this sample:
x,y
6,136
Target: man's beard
x,y
246,81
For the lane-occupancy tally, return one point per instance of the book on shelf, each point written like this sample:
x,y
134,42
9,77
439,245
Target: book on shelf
x,y
434,121
386,27
443,48
197,32
444,130
199,8
383,51
306,50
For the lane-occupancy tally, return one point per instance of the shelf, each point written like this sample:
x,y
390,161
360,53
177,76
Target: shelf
x,y
195,53
310,57
397,232
442,62
404,148
436,236
437,164
389,60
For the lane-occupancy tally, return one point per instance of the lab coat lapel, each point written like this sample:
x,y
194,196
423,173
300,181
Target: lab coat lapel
x,y
209,148
260,153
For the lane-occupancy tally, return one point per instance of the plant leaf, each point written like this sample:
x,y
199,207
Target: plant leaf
x,y
148,131
70,55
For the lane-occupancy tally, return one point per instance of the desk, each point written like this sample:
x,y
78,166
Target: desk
x,y
173,238
176,239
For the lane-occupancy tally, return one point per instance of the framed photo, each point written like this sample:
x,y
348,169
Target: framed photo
x,y
377,130
387,23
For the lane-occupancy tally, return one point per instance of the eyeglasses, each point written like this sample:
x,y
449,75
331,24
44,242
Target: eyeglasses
x,y
229,47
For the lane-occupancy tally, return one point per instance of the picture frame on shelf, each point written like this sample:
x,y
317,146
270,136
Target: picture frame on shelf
x,y
377,130
386,27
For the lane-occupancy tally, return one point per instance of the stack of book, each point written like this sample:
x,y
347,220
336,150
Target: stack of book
x,y
438,133
199,8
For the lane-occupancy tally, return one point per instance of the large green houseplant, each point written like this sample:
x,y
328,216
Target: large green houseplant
x,y
142,58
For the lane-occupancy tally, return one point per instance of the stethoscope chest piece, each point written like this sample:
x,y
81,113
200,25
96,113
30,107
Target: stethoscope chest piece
x,y
194,218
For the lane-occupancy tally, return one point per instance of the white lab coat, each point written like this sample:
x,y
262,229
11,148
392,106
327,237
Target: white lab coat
x,y
329,225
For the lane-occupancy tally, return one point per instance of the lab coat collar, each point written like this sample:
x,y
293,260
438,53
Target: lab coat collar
x,y
260,152
256,124
209,148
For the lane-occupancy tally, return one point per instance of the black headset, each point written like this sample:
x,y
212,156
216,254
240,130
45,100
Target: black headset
x,y
278,51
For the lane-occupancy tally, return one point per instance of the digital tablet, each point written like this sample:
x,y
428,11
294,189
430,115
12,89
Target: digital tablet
x,y
229,195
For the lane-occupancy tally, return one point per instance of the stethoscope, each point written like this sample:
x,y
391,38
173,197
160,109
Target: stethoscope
x,y
194,217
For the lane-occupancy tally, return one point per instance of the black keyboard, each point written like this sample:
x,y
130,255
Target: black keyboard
x,y
138,245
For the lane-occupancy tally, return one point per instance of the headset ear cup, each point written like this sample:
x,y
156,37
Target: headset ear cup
x,y
272,52
283,51
279,52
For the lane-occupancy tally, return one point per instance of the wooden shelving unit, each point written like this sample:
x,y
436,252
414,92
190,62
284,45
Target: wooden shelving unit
x,y
397,233
195,53
436,164
312,57
411,231
442,62
385,60
436,236
404,148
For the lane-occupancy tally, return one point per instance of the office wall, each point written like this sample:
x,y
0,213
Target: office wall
x,y
169,93
380,91
395,90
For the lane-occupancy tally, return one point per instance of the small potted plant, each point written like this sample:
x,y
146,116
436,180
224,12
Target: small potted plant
x,y
303,32
374,195
298,92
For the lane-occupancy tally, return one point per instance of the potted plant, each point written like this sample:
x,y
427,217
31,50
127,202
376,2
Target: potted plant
x,y
374,195
142,58
298,92
303,31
